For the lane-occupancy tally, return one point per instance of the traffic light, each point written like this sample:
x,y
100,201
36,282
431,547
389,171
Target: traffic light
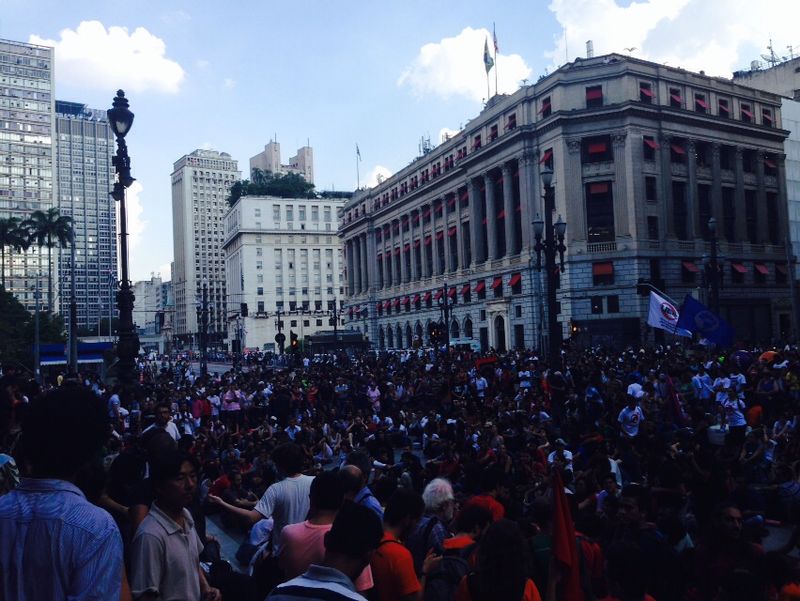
x,y
293,340
243,309
435,332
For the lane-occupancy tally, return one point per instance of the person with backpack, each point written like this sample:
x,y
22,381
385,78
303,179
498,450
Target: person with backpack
x,y
392,564
501,568
432,529
458,554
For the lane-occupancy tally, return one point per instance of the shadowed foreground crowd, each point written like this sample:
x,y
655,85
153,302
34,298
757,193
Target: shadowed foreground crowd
x,y
662,474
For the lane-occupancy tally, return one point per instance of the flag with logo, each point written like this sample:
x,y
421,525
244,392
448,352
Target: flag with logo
x,y
664,315
699,319
488,61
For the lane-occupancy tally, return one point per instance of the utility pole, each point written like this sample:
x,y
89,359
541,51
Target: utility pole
x,y
36,351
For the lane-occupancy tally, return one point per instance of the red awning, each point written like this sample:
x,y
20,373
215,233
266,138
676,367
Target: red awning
x,y
397,302
604,268
501,215
646,91
416,299
405,218
464,195
701,103
770,163
426,213
651,143
427,240
406,248
379,307
762,269
677,149
452,231
350,312
545,105
439,235
405,301
387,304
515,279
594,93
452,292
676,98
766,117
546,156
598,188
416,243
739,267
397,250
416,218
427,296
438,294
598,147
691,267
378,234
497,283
480,286
724,108
451,202
465,290
746,112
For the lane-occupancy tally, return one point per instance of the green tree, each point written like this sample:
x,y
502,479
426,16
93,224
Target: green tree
x,y
49,228
265,183
17,331
12,236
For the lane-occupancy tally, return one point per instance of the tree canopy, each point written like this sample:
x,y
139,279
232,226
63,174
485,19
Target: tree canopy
x,y
17,331
266,183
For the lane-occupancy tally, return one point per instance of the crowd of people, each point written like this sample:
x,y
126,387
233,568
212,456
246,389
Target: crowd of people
x,y
666,473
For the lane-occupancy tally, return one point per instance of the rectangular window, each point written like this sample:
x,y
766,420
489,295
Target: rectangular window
x,y
650,188
597,149
675,98
729,214
680,210
760,273
781,274
599,212
649,147
737,272
594,96
260,307
646,92
547,108
301,213
493,133
704,209
773,219
652,227
511,123
603,273
689,272
745,114
766,117
597,305
751,216
677,153
700,104
724,108
289,213
260,291
612,303
476,142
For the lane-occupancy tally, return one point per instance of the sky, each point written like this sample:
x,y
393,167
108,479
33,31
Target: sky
x,y
383,75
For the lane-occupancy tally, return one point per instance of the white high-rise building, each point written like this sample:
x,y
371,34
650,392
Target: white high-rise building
x,y
27,129
270,160
282,255
200,186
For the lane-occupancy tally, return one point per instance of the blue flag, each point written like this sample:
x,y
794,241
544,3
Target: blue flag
x,y
697,318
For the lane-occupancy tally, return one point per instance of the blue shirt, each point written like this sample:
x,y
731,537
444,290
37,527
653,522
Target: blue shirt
x,y
56,545
319,582
368,500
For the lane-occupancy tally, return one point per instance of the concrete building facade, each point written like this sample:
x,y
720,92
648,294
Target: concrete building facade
x,y
85,176
270,160
27,157
282,255
643,155
200,184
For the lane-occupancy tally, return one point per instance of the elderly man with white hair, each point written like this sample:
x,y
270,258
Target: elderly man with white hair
x,y
433,527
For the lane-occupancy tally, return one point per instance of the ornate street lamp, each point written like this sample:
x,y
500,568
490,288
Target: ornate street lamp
x,y
714,267
446,308
121,118
552,245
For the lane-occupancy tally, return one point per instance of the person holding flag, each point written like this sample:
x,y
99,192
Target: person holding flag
x,y
699,319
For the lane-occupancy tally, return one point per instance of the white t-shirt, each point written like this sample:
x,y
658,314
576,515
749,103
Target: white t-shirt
x,y
170,428
286,502
567,458
630,419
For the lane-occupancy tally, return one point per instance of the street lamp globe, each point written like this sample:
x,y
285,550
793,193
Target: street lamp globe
x,y
538,226
712,225
560,227
120,117
547,177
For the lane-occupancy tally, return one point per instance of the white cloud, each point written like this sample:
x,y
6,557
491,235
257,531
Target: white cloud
x,y
715,37
136,224
228,83
92,56
446,133
454,67
202,63
376,176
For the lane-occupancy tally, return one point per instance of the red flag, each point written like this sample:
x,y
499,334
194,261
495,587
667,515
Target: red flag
x,y
565,547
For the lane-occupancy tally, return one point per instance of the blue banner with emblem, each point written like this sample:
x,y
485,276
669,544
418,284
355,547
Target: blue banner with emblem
x,y
699,319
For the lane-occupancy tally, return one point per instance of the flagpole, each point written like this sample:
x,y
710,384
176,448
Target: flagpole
x,y
358,171
494,42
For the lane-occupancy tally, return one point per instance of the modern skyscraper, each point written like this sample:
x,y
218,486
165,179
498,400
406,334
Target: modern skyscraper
x,y
200,184
27,129
270,160
84,145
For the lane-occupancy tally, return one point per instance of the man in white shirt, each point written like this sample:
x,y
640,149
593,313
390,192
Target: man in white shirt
x,y
164,421
630,418
561,454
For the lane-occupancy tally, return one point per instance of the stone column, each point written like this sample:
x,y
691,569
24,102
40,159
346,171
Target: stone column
x,y
475,218
448,264
414,273
783,207
365,280
460,233
694,228
348,249
527,196
761,199
426,249
356,265
571,186
716,190
740,226
666,185
512,245
491,216
621,205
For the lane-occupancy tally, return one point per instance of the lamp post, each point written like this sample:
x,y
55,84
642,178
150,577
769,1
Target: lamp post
x,y
713,275
446,307
280,337
202,313
552,244
121,118
335,314
73,313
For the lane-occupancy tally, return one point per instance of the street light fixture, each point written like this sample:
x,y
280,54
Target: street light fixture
x,y
446,308
121,119
202,313
714,266
552,245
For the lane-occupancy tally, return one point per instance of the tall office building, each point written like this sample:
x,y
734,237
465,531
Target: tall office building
x,y
27,128
200,184
270,160
84,145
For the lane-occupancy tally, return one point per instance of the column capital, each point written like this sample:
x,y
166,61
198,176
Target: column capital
x,y
739,150
528,157
506,169
760,154
574,145
716,149
618,138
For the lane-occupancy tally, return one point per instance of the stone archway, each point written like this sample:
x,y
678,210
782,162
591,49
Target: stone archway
x,y
409,336
500,334
399,336
389,337
468,328
381,338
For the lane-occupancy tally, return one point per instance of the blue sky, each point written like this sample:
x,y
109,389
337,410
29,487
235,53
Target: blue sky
x,y
231,75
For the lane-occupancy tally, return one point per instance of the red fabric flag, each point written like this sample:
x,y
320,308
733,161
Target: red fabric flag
x,y
565,548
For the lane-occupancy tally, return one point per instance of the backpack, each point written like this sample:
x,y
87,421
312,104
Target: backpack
x,y
442,583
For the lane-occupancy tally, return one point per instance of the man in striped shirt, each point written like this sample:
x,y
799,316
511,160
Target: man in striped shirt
x,y
355,534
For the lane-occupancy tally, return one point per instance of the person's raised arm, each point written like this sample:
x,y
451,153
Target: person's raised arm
x,y
251,516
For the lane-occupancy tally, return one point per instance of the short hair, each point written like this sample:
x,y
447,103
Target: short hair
x,y
355,532
327,492
403,504
289,458
350,479
438,492
168,465
64,430
362,461
471,517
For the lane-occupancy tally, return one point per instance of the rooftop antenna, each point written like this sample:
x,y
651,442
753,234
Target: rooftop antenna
x,y
523,82
790,48
566,47
589,49
630,50
771,58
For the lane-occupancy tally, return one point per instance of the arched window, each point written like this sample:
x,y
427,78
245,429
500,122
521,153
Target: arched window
x,y
390,337
381,339
455,331
409,336
468,328
399,336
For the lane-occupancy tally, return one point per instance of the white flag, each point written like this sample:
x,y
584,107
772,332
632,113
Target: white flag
x,y
663,314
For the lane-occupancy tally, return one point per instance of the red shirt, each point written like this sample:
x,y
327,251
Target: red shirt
x,y
530,593
489,503
393,570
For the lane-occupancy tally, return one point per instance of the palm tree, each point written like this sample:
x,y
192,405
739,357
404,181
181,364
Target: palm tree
x,y
13,236
49,228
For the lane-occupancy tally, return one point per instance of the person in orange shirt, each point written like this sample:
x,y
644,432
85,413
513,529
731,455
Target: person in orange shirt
x,y
392,564
501,574
490,482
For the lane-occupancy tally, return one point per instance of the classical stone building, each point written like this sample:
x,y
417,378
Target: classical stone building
x,y
643,155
